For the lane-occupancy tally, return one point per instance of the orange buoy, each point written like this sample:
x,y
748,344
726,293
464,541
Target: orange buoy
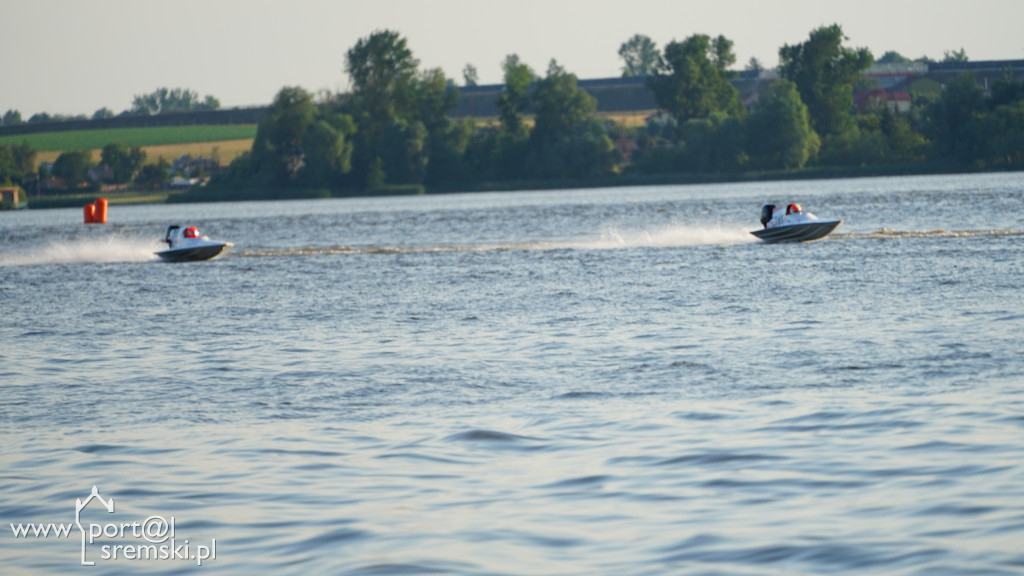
x,y
100,214
90,213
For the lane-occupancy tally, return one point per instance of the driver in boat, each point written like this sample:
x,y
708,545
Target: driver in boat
x,y
768,213
193,232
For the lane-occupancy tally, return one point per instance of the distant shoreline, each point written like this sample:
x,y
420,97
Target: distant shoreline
x,y
217,194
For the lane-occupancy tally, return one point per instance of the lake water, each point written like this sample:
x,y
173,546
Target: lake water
x,y
613,381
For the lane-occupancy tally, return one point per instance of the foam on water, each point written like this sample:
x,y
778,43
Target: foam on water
x,y
668,237
106,249
609,239
886,233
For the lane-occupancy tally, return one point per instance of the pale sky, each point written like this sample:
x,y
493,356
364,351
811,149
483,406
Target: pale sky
x,y
76,56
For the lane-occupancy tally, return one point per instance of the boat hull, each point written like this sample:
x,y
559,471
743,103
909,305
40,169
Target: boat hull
x,y
800,232
193,253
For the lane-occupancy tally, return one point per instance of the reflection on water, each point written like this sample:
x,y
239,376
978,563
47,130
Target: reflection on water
x,y
601,381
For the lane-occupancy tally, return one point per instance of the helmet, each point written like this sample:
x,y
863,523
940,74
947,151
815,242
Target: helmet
x,y
794,209
191,232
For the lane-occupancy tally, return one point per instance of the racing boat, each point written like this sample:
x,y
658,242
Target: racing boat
x,y
188,245
792,224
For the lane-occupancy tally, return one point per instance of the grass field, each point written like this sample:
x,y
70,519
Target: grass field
x,y
635,119
225,150
224,141
157,136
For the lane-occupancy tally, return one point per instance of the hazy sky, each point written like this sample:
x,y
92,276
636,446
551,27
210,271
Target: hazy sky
x,y
76,56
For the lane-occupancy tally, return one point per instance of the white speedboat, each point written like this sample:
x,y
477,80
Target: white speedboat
x,y
188,245
792,224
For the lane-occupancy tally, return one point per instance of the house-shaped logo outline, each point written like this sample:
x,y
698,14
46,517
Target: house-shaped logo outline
x,y
79,506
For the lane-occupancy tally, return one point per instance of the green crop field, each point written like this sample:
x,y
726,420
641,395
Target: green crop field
x,y
157,136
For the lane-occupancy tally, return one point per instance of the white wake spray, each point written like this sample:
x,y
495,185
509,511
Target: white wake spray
x,y
112,248
610,239
666,237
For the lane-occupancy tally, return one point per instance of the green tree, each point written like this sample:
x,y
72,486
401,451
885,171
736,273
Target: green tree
x,y
405,152
958,56
22,161
972,129
955,121
862,143
382,70
824,73
501,154
168,100
435,96
123,161
102,114
146,104
8,172
376,177
445,142
402,114
11,118
6,165
905,144
448,152
640,56
327,148
73,167
567,141
1004,131
277,149
515,97
560,104
893,57
299,144
469,75
721,54
712,144
693,81
778,132
153,176
1006,92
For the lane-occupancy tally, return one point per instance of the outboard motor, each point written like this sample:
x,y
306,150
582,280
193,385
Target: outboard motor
x,y
173,232
766,214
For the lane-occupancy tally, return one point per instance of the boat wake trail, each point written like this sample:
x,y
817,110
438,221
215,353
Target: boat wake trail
x,y
114,248
666,237
611,239
886,233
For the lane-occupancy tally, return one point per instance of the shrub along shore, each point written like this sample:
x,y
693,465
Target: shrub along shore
x,y
234,193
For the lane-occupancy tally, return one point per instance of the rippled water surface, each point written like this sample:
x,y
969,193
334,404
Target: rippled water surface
x,y
615,381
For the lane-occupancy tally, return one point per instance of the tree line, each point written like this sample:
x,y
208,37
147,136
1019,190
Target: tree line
x,y
160,101
392,130
123,165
